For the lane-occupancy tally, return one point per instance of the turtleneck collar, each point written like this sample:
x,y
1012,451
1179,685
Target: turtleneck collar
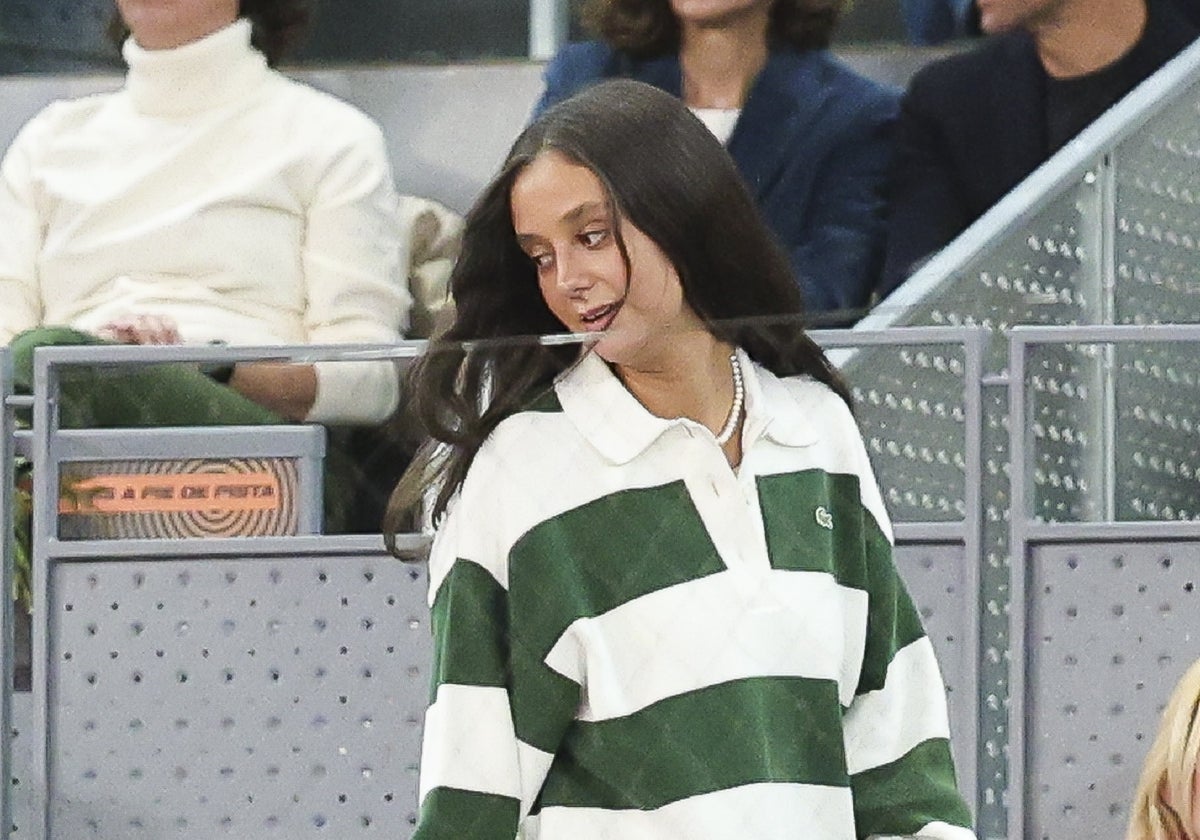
x,y
204,74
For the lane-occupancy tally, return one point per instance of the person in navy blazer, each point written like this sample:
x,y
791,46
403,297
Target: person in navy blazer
x,y
811,137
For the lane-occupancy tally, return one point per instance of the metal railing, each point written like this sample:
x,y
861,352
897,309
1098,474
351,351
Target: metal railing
x,y
1098,601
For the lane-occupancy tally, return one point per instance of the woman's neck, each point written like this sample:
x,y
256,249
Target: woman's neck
x,y
695,381
720,64
217,69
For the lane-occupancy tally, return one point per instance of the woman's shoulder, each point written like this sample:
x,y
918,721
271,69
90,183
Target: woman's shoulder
x,y
525,430
809,411
331,116
63,116
577,65
819,402
584,58
849,88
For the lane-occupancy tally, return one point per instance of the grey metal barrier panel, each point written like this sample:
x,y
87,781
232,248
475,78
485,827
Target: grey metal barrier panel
x,y
1102,232
1109,617
8,516
199,688
919,409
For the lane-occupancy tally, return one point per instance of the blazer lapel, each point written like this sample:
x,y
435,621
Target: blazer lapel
x,y
781,110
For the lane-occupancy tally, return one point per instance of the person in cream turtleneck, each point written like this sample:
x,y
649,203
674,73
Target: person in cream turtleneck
x,y
210,199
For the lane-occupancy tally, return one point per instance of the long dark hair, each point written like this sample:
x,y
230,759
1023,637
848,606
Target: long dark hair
x,y
648,27
668,176
277,25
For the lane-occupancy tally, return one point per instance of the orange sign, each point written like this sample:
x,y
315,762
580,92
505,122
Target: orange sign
x,y
171,493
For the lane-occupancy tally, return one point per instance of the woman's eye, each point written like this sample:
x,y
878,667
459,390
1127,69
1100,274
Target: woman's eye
x,y
592,238
541,260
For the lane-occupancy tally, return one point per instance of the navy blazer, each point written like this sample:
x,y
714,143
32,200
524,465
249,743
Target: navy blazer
x,y
813,142
973,126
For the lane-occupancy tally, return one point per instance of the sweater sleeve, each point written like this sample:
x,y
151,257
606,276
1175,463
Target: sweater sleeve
x,y
20,243
353,251
896,729
497,710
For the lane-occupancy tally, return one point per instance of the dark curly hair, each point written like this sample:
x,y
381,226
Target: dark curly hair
x,y
279,25
648,27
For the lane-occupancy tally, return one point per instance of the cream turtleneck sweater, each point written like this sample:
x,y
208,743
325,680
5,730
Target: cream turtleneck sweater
x,y
248,207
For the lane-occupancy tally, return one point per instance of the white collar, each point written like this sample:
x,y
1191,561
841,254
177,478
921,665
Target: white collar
x,y
203,74
620,428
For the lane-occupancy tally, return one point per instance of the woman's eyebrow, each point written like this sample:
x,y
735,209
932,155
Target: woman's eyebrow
x,y
571,217
583,210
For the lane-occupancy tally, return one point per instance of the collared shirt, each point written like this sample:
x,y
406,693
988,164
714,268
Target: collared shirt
x,y
635,640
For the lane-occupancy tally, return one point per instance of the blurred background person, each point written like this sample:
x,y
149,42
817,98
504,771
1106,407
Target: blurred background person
x,y
811,137
974,125
1167,803
210,199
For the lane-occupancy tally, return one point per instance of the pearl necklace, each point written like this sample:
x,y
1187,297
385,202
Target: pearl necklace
x,y
735,411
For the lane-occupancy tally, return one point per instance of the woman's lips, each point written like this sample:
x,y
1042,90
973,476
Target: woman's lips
x,y
598,319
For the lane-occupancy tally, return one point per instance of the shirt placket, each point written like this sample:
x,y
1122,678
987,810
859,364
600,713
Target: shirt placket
x,y
727,501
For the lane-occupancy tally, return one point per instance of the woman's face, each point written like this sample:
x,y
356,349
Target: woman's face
x,y
563,222
715,13
163,24
1191,821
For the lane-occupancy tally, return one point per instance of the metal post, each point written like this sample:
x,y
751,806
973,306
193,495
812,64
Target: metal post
x,y
1097,221
7,559
549,22
1108,306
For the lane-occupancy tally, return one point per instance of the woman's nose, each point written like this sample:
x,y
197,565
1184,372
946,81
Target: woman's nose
x,y
572,274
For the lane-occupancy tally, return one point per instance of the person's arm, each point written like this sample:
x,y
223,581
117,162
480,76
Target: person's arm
x,y
287,390
925,207
20,237
896,729
838,257
352,258
498,711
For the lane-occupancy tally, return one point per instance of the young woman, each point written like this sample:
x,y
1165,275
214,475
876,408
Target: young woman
x,y
662,592
1167,803
811,138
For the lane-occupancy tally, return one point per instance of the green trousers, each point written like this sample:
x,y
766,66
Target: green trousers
x,y
148,396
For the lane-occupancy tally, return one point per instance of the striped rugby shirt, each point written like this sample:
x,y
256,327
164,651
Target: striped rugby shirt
x,y
633,641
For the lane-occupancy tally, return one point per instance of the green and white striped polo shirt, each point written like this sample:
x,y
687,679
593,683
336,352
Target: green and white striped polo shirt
x,y
634,641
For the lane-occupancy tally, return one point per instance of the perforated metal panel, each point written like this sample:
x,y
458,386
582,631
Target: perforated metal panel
x,y
1157,217
247,698
936,577
23,796
1110,629
909,402
1037,274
